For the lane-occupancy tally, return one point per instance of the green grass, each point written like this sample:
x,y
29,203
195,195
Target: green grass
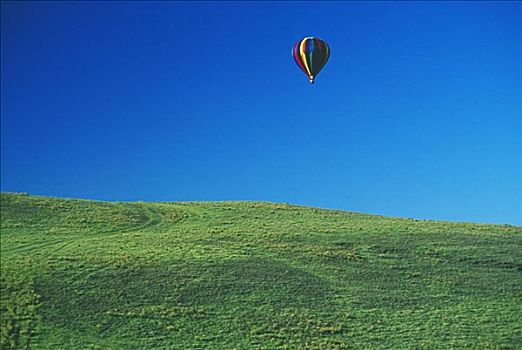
x,y
81,274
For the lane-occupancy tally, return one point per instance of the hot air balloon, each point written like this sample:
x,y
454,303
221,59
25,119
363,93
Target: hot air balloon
x,y
311,54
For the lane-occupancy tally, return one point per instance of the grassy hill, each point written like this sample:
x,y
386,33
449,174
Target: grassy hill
x,y
79,274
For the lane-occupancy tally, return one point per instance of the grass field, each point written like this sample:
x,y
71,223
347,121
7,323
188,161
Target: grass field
x,y
79,274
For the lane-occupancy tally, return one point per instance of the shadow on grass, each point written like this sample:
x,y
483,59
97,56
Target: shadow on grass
x,y
159,300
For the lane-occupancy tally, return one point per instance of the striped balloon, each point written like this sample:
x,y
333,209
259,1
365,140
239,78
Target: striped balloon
x,y
311,54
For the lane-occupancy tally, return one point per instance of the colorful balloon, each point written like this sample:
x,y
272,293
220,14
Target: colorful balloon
x,y
311,54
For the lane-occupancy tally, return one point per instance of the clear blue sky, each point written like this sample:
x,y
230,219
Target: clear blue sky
x,y
417,113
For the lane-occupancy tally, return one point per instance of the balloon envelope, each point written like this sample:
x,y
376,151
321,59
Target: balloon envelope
x,y
311,54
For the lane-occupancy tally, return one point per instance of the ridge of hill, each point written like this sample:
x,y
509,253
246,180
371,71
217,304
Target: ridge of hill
x,y
79,274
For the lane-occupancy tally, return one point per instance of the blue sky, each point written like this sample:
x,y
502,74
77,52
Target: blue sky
x,y
416,114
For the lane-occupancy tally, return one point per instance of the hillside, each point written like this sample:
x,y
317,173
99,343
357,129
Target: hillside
x,y
79,274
